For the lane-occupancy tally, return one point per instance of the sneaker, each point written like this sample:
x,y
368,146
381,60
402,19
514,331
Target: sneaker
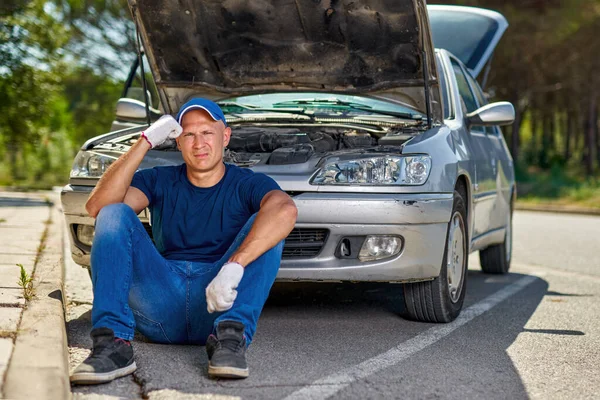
x,y
227,351
111,358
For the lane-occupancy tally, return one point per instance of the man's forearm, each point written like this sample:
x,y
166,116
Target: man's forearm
x,y
273,223
113,184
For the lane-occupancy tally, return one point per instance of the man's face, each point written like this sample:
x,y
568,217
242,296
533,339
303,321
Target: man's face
x,y
202,141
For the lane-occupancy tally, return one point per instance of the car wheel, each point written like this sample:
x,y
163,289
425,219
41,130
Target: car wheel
x,y
441,299
496,259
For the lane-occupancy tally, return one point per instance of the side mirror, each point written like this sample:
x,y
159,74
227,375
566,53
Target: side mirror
x,y
500,113
134,110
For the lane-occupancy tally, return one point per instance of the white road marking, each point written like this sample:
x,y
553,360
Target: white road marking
x,y
328,386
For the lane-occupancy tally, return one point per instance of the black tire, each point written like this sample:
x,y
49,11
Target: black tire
x,y
496,258
432,301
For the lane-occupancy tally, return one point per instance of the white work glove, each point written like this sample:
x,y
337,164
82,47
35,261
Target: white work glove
x,y
221,293
165,127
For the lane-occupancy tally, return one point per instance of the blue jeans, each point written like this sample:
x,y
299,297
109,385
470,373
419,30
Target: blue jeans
x,y
135,287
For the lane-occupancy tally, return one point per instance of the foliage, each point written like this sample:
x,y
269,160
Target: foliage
x,y
34,128
39,135
557,185
104,25
24,38
49,105
91,98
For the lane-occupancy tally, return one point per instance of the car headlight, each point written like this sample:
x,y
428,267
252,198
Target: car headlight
x,y
89,164
378,170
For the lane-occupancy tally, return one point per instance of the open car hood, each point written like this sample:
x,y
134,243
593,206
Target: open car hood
x,y
470,33
220,49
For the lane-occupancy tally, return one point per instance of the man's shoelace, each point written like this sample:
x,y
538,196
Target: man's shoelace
x,y
230,344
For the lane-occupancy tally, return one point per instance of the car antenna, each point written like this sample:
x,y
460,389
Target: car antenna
x,y
130,76
140,52
426,76
426,80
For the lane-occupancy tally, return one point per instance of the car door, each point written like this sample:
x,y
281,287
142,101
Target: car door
x,y
484,187
501,160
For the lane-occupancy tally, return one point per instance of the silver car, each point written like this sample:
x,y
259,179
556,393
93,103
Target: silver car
x,y
386,143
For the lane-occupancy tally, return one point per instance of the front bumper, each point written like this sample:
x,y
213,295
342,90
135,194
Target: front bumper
x,y
420,219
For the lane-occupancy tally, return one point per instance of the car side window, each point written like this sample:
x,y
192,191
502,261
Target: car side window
x,y
465,92
444,89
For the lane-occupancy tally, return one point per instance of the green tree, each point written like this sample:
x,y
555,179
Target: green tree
x,y
49,103
102,34
92,100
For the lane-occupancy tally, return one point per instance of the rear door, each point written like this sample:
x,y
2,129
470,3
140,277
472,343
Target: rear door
x,y
471,34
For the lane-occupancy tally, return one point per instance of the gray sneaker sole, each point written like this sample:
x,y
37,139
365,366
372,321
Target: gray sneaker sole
x,y
227,372
93,378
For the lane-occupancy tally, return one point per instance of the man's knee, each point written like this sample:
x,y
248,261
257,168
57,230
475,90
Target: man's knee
x,y
116,211
114,217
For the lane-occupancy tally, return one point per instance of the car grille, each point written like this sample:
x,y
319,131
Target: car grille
x,y
304,243
300,243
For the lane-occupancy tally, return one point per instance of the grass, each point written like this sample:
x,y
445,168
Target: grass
x,y
25,280
557,186
26,283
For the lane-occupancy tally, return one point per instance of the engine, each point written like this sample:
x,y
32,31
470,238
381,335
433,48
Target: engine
x,y
279,146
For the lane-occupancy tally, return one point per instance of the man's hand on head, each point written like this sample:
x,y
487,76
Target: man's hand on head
x,y
165,127
221,293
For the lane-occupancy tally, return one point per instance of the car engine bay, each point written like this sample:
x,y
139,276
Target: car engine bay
x,y
284,145
251,145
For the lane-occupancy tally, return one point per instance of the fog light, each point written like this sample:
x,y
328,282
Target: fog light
x,y
377,247
85,234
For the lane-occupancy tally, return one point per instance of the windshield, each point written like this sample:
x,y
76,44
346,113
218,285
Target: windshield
x,y
316,102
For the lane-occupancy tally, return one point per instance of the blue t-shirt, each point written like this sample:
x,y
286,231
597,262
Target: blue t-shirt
x,y
199,224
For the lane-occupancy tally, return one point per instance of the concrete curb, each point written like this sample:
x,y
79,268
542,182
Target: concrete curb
x,y
39,367
557,209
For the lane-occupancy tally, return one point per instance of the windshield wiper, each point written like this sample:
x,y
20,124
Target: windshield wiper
x,y
345,105
245,112
242,113
230,107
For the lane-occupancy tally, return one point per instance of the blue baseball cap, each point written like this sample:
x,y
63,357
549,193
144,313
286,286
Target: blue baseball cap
x,y
209,106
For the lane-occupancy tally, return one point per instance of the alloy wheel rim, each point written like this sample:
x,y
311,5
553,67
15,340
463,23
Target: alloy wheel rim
x,y
455,257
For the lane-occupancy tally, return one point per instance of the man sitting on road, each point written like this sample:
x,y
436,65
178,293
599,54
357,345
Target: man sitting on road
x,y
217,228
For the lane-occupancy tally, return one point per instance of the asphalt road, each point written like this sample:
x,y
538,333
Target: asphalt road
x,y
534,333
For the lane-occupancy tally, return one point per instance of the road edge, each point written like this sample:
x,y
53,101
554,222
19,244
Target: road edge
x,y
39,367
556,209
